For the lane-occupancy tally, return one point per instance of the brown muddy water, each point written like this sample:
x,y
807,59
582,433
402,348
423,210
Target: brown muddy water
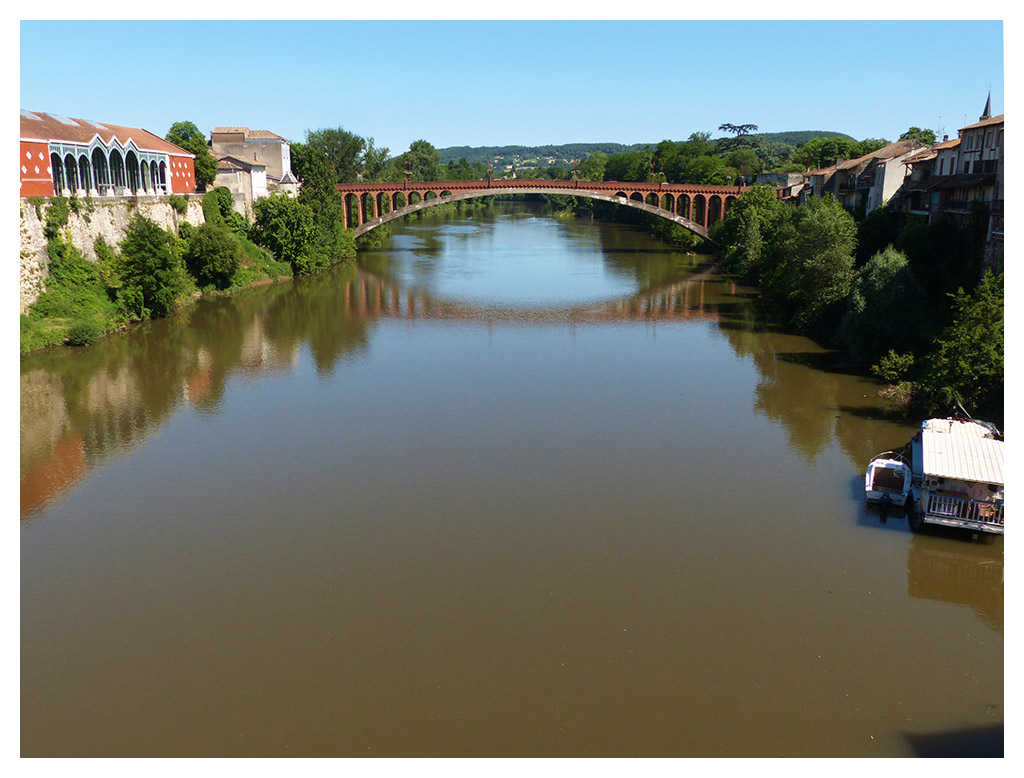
x,y
516,486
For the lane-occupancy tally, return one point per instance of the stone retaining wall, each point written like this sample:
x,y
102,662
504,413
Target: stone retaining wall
x,y
106,218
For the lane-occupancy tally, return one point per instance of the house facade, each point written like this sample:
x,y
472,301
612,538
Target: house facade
x,y
961,179
242,177
63,156
866,182
260,147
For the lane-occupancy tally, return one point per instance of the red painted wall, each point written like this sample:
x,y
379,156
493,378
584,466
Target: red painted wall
x,y
183,175
34,163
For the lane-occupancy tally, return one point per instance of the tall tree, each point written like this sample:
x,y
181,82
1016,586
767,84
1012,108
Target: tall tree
x,y
342,149
187,136
424,159
810,264
967,364
927,137
374,161
885,308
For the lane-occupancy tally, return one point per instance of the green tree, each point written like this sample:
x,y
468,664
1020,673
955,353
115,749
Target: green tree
x,y
593,167
331,242
285,226
745,160
213,255
885,308
342,149
187,136
927,137
810,262
152,273
748,231
374,161
967,363
425,161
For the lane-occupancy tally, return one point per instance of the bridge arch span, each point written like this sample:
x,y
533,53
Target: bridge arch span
x,y
699,206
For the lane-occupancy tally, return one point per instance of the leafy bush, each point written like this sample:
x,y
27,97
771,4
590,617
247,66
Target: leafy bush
x,y
57,213
218,208
213,255
285,226
75,293
893,367
179,203
967,363
85,332
885,308
152,271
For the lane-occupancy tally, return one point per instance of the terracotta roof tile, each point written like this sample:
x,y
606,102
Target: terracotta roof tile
x,y
984,123
37,125
249,134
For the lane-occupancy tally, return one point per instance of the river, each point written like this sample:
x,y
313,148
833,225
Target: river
x,y
514,486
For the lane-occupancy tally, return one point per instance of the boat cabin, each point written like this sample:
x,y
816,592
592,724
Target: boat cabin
x,y
957,476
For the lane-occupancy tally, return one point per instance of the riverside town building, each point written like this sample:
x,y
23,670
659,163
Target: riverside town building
x,y
61,156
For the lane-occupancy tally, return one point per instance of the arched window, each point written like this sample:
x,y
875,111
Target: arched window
x,y
101,172
131,164
71,172
57,172
85,173
161,178
117,179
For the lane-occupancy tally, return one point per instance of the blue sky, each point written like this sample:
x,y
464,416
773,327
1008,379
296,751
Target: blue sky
x,y
477,83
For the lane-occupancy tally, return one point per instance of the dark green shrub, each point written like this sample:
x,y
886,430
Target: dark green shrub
x,y
893,367
85,332
152,271
179,203
285,226
214,254
57,213
966,364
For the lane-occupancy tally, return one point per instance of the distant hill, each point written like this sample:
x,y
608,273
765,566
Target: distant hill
x,y
564,154
565,151
793,137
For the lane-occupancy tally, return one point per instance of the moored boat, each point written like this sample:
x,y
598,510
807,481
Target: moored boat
x,y
957,476
887,480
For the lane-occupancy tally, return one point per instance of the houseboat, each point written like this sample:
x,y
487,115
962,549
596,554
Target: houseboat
x,y
957,476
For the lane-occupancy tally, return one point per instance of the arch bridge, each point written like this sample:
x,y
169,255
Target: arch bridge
x,y
695,207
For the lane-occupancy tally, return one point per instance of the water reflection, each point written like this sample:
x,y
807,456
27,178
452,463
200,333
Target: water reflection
x,y
380,510
80,406
957,571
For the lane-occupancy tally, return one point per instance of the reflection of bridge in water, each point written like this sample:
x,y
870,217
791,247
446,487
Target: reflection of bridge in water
x,y
370,296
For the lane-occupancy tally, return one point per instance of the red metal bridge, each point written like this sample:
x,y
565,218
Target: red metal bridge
x,y
369,205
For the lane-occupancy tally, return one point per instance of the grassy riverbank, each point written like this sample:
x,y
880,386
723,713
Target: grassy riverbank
x,y
153,271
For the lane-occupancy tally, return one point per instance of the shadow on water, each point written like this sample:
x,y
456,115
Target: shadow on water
x,y
977,742
893,518
894,413
826,362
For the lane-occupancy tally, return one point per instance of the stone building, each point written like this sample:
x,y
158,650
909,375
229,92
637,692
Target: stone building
x,y
255,146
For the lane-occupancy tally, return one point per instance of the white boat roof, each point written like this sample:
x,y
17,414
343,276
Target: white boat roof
x,y
960,450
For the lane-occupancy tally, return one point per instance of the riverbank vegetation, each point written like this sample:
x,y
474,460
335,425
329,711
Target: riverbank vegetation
x,y
905,300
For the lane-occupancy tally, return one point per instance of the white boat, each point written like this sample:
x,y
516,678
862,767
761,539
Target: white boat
x,y
887,480
957,478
